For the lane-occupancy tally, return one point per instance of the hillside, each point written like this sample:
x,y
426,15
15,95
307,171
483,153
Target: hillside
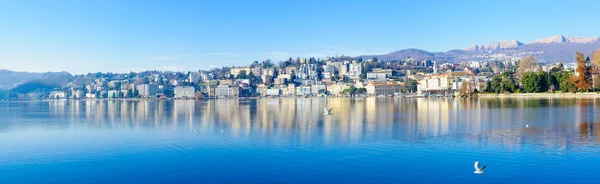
x,y
12,79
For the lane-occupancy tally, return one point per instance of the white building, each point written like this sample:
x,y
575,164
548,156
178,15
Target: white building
x,y
336,89
184,92
376,77
236,71
307,71
436,83
302,90
147,90
57,94
222,91
274,92
326,75
314,89
355,70
90,95
382,89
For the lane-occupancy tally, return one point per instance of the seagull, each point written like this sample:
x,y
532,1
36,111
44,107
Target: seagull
x,y
327,111
477,169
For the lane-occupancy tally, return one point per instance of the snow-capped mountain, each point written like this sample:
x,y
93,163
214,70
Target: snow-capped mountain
x,y
553,49
566,39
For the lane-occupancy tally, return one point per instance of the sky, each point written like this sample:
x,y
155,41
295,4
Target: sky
x,y
187,35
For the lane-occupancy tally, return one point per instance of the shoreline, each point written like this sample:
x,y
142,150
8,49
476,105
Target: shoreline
x,y
541,95
479,96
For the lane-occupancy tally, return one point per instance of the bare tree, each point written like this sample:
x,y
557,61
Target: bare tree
x,y
527,64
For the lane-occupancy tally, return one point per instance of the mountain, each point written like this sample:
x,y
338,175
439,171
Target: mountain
x,y
12,79
566,39
413,53
494,46
551,50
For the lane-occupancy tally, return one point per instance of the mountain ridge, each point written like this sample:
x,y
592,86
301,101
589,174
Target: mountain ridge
x,y
551,50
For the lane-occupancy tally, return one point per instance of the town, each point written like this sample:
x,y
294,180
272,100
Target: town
x,y
305,77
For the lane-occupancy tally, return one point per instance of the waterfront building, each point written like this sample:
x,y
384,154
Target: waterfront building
x,y
57,94
437,83
184,92
302,90
90,95
336,89
274,92
315,89
224,91
147,90
113,93
382,89
291,90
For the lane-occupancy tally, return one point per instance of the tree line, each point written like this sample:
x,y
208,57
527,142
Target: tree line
x,y
529,77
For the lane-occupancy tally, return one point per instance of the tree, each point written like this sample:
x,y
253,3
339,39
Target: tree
x,y
410,85
322,91
501,83
465,88
530,82
582,76
527,64
542,78
350,91
293,76
242,75
597,59
564,79
361,90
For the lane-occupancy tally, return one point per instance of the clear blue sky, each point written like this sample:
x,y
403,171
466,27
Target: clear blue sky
x,y
119,36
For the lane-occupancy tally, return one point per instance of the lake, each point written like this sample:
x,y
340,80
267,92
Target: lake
x,y
289,140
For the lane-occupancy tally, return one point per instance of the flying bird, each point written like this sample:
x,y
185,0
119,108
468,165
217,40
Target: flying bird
x,y
478,170
327,111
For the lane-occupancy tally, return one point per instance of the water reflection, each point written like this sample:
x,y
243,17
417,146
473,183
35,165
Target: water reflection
x,y
301,121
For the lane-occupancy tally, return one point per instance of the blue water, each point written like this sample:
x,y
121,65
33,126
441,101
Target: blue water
x,y
372,140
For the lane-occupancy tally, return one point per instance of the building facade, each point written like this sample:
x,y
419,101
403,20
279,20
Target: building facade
x,y
376,77
147,90
382,89
184,92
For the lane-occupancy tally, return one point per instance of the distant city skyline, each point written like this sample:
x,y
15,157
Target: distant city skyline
x,y
123,36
